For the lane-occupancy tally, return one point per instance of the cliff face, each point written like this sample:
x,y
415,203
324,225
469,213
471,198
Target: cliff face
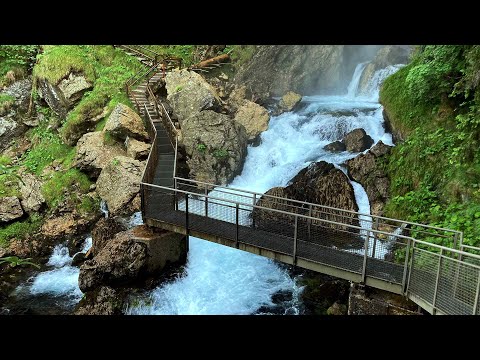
x,y
306,69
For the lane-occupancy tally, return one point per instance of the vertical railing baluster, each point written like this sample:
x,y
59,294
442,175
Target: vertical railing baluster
x,y
236,224
365,249
206,200
477,295
437,281
295,236
186,214
405,268
309,222
176,194
254,201
375,238
411,268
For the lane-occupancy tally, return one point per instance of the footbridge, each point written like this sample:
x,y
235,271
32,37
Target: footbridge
x,y
415,260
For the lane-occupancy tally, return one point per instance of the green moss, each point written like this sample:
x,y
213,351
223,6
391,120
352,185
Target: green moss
x,y
89,205
56,62
48,146
435,174
108,139
62,184
184,52
20,229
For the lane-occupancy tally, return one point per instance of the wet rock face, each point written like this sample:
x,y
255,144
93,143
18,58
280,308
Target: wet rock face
x,y
336,146
119,262
104,230
104,301
31,190
253,117
10,209
119,183
369,170
357,140
288,102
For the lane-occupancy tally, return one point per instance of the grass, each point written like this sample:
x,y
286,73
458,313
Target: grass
x,y
48,146
88,205
20,229
184,52
6,101
65,184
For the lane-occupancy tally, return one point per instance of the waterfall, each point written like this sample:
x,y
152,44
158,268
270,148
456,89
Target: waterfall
x,y
104,208
222,280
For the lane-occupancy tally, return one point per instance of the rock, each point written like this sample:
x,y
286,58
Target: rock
x,y
104,230
123,122
357,140
8,131
387,55
336,146
337,309
10,209
104,301
253,117
368,170
54,97
78,259
62,97
288,102
237,97
64,226
119,183
189,93
216,146
306,69
119,262
85,123
31,190
73,87
21,91
319,183
137,150
93,154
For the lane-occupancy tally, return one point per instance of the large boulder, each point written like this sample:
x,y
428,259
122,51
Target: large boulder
x,y
368,170
119,262
21,91
137,150
253,117
103,301
357,140
93,154
73,87
104,230
189,93
31,190
336,146
10,209
124,123
387,55
216,146
288,102
119,183
62,97
319,183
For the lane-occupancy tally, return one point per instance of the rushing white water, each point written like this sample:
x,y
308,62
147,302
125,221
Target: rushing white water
x,y
62,279
221,280
104,208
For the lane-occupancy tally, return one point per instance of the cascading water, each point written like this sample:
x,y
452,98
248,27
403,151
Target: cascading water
x,y
221,280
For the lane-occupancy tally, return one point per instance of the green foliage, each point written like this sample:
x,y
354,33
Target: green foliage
x,y
184,52
240,54
89,205
115,162
8,178
108,139
48,146
435,174
14,261
178,88
65,184
20,229
201,147
220,153
17,58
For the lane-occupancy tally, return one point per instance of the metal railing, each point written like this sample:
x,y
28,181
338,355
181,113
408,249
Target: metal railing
x,y
439,278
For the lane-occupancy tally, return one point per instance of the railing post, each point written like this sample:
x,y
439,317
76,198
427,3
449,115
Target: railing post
x,y
142,198
364,268
206,200
295,236
405,269
309,221
437,281
411,269
186,214
236,225
176,194
477,295
375,238
254,201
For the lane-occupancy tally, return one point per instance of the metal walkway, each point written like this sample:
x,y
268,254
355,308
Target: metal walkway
x,y
394,255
